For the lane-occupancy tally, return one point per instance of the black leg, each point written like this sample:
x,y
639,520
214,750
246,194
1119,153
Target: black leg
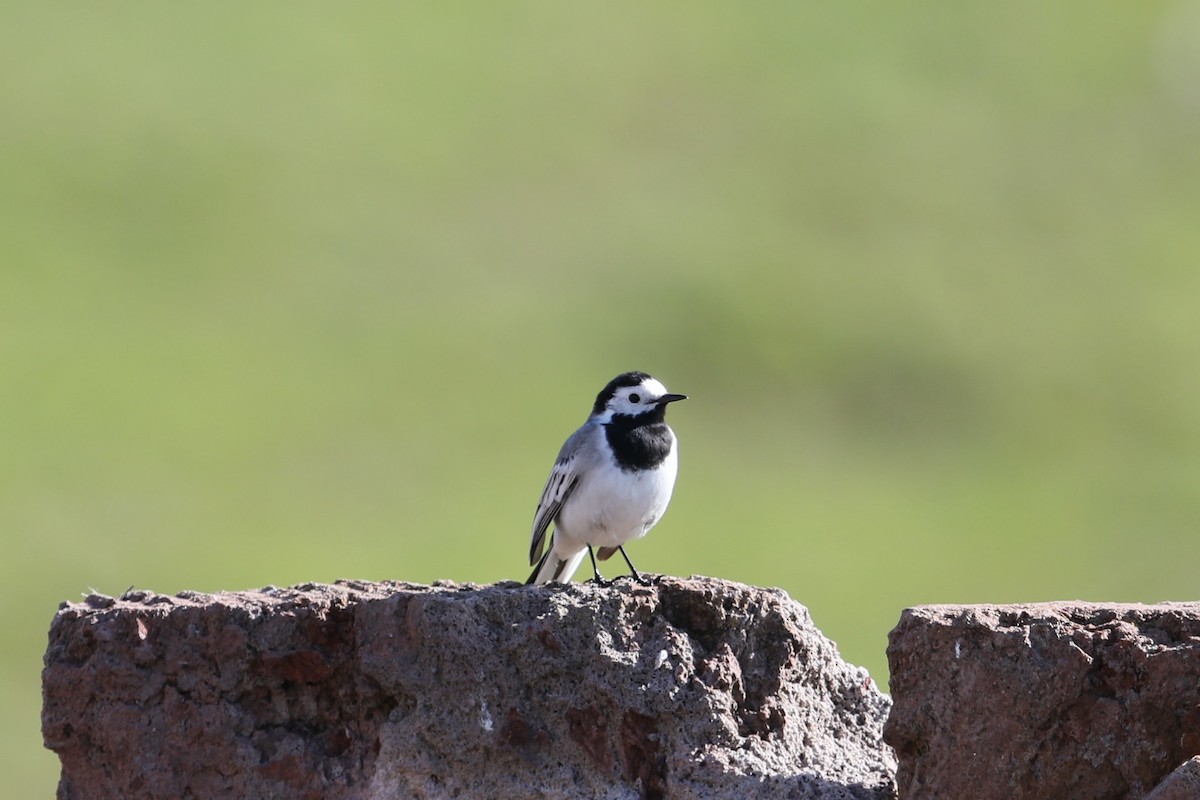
x,y
597,577
637,577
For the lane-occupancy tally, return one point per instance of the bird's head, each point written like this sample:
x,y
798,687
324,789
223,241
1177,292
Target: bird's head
x,y
633,394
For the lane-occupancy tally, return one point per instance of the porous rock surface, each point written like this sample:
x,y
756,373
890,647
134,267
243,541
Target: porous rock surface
x,y
693,688
1048,700
1182,784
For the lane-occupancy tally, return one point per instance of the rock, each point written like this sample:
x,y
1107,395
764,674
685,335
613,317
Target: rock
x,y
1045,700
684,689
1182,784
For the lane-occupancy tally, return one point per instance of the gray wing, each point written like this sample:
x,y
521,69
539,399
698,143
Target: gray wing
x,y
572,461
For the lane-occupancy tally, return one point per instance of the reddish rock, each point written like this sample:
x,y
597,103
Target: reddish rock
x,y
685,689
1043,701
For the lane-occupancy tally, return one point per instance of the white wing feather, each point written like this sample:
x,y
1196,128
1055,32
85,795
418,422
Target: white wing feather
x,y
563,479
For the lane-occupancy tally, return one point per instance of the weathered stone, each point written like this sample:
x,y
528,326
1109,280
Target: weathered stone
x,y
1182,784
1041,701
685,689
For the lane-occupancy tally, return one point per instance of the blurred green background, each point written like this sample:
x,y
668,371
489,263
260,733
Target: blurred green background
x,y
292,292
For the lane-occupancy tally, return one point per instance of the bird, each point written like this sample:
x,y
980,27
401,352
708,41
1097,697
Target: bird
x,y
611,482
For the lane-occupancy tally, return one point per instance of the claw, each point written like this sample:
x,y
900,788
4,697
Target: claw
x,y
633,573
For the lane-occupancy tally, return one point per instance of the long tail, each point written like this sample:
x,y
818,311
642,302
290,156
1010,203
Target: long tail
x,y
554,568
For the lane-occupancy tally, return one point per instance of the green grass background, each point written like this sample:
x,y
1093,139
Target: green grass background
x,y
293,292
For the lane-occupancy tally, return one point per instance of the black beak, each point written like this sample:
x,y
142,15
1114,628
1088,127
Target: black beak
x,y
669,398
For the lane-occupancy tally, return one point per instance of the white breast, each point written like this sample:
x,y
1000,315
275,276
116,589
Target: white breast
x,y
611,506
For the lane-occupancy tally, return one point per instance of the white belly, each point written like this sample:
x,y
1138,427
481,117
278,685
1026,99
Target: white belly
x,y
614,507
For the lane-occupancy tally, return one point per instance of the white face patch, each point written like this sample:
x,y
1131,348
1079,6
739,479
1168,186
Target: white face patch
x,y
634,400
653,386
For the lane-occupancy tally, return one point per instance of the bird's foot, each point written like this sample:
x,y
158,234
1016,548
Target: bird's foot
x,y
642,580
597,578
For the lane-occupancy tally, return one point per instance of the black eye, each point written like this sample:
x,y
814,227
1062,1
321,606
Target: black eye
x,y
635,398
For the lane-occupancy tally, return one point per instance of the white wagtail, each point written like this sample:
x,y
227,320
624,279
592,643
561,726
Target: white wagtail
x,y
612,480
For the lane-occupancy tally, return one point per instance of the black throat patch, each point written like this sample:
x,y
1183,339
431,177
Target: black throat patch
x,y
640,442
